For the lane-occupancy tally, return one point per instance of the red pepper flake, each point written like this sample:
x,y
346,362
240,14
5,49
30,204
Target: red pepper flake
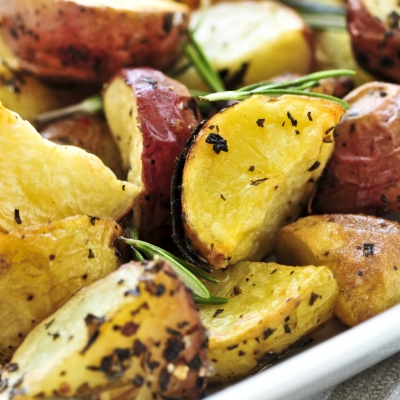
x,y
260,122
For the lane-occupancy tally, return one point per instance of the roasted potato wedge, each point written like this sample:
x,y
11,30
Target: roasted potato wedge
x,y
363,173
42,267
374,27
42,181
137,326
241,38
360,250
271,307
89,132
26,95
246,172
88,41
151,117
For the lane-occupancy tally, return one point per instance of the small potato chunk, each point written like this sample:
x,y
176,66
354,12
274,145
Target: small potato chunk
x,y
250,41
362,252
89,132
271,307
363,174
42,267
41,181
26,95
374,27
88,41
151,117
246,172
137,326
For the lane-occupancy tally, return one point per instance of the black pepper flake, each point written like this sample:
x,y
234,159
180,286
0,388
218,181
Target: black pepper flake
x,y
327,139
138,348
84,277
47,326
217,312
368,249
138,380
329,130
222,197
360,273
236,291
313,298
52,257
93,220
129,329
292,120
251,168
173,348
297,132
286,328
91,254
30,297
314,166
17,217
11,367
267,333
274,271
395,267
283,123
241,353
160,290
260,122
258,181
309,116
218,142
232,347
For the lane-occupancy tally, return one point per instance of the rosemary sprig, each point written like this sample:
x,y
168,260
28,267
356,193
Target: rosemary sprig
x,y
181,268
297,86
91,105
212,300
200,62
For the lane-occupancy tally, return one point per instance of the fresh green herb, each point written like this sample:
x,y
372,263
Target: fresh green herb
x,y
187,277
200,62
213,300
91,105
297,86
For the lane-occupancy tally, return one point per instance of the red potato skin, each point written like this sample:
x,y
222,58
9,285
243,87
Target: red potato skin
x,y
376,45
61,41
166,118
363,174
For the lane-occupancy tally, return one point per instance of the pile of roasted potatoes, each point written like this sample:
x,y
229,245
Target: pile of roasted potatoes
x,y
228,187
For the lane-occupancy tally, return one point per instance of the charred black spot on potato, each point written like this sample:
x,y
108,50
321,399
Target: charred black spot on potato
x,y
218,142
138,348
129,329
173,348
268,357
138,380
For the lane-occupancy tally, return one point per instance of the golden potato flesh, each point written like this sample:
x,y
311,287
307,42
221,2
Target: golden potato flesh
x,y
271,307
41,181
250,41
362,252
26,95
42,267
249,170
87,41
138,326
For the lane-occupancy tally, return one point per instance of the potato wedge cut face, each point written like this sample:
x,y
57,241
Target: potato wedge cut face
x,y
271,307
137,326
362,252
250,170
42,267
41,181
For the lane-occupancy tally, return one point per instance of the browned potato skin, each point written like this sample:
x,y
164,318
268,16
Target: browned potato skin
x,y
362,252
363,173
89,132
375,43
166,115
66,41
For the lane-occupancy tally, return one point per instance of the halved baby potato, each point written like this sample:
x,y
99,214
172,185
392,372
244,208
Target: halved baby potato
x,y
42,267
87,41
138,326
271,308
248,171
41,181
362,252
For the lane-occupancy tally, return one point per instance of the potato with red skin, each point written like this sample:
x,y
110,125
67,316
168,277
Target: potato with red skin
x,y
151,116
89,132
374,27
88,41
363,174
